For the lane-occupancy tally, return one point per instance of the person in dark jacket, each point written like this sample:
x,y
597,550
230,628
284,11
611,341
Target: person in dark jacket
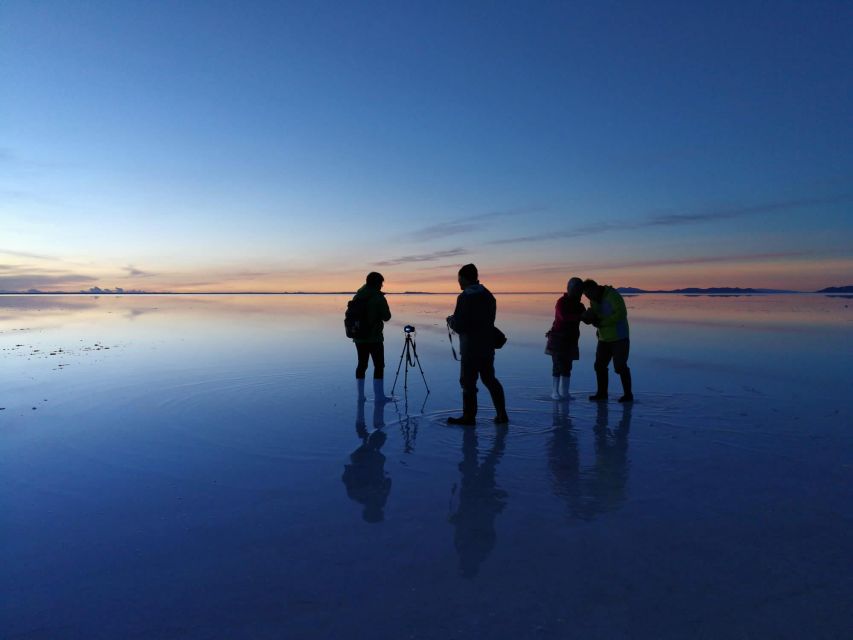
x,y
474,321
563,338
372,346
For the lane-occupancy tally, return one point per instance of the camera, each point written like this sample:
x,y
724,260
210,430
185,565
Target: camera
x,y
409,328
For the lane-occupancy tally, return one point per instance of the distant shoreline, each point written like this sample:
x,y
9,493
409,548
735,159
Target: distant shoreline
x,y
721,292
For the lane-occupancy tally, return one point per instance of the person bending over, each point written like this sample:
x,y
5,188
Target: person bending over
x,y
608,314
563,338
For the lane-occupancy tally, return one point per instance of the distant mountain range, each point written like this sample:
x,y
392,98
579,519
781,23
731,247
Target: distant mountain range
x,y
696,291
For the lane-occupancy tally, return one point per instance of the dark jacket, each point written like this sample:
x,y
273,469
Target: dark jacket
x,y
565,331
377,313
474,321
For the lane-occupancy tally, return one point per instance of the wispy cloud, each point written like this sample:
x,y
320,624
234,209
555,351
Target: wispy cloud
x,y
24,254
423,257
464,225
24,282
133,272
672,219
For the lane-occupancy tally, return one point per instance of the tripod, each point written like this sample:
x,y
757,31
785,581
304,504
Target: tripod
x,y
410,353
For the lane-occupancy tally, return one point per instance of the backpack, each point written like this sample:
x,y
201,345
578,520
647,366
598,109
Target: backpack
x,y
356,323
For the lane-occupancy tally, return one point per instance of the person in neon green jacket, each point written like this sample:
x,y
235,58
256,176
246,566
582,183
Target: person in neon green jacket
x,y
608,314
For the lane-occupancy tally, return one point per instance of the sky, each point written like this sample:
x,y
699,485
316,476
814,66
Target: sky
x,y
282,146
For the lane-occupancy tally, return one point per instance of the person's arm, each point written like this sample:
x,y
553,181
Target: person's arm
x,y
385,310
618,312
574,315
458,321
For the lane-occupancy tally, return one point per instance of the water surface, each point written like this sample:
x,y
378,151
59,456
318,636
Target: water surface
x,y
200,467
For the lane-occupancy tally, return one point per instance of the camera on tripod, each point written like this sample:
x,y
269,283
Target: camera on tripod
x,y
409,328
410,356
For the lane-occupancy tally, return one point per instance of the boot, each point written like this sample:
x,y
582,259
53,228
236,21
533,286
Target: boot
x,y
359,382
469,411
499,399
555,388
379,390
601,379
564,387
627,391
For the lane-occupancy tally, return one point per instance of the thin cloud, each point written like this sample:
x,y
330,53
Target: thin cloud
x,y
468,224
423,257
137,273
672,219
25,282
24,254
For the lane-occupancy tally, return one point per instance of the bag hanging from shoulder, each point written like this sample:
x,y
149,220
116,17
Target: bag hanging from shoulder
x,y
498,338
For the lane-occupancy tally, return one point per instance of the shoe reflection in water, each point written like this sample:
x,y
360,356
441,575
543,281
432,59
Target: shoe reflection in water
x,y
480,501
600,487
365,478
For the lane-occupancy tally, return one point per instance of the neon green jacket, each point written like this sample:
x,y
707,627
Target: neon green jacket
x,y
612,314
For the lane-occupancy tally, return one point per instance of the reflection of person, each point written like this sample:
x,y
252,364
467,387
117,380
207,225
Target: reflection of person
x,y
474,321
480,502
608,314
370,345
563,337
600,487
365,477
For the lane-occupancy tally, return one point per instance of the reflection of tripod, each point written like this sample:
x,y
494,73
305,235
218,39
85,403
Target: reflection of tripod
x,y
410,352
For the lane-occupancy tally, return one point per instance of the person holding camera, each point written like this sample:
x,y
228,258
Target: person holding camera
x,y
474,321
563,338
607,313
367,312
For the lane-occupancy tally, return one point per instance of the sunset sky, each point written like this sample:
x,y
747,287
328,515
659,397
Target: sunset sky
x,y
270,146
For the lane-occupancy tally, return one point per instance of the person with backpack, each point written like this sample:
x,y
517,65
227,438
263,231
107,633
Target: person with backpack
x,y
364,319
607,313
474,321
564,336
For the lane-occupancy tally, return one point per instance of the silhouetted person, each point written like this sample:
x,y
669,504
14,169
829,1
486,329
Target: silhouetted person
x,y
480,502
563,338
365,477
608,314
474,321
370,342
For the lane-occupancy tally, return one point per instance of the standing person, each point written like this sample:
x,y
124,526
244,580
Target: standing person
x,y
608,314
474,321
563,338
371,312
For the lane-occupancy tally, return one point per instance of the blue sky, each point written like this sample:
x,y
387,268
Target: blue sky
x,y
274,146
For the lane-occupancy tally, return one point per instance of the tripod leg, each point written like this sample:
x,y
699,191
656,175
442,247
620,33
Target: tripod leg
x,y
396,375
418,360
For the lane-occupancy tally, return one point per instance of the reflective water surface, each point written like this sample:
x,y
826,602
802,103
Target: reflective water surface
x,y
200,467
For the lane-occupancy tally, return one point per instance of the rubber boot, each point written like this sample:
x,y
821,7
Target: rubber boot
x,y
360,386
499,399
379,390
601,379
627,391
564,387
469,411
555,388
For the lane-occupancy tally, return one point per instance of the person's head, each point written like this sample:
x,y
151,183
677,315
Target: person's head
x,y
592,290
468,275
574,287
374,280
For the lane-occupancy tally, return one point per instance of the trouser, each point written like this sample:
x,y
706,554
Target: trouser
x,y
561,364
483,367
618,352
375,351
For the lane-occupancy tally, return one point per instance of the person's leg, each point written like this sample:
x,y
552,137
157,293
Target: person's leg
x,y
565,377
620,366
468,382
603,354
555,374
377,354
496,390
363,352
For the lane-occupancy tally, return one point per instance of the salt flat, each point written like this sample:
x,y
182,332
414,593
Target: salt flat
x,y
200,467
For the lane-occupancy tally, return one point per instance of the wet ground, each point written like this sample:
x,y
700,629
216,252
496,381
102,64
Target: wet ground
x,y
200,467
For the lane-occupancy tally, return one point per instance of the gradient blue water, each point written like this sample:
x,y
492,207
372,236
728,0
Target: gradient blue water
x,y
199,467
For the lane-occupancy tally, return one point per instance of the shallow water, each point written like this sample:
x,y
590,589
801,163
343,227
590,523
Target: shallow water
x,y
199,467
